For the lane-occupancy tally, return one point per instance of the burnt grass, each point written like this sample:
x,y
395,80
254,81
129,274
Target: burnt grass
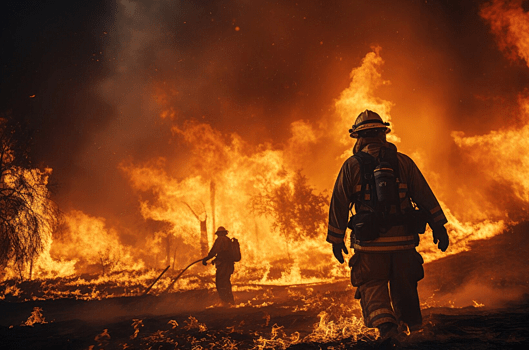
x,y
493,272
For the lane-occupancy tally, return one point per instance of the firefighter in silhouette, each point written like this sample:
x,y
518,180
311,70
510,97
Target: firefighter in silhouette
x,y
224,262
392,204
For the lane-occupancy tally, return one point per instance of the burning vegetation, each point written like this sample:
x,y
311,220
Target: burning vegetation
x,y
191,172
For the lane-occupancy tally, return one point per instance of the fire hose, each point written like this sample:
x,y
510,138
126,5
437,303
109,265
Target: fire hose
x,y
156,280
174,279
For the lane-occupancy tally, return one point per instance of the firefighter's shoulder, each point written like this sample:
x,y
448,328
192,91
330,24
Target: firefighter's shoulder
x,y
406,160
351,162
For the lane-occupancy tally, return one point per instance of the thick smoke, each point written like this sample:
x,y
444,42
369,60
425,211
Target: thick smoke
x,y
254,68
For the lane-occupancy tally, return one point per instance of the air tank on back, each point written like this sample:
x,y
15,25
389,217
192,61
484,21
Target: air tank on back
x,y
385,183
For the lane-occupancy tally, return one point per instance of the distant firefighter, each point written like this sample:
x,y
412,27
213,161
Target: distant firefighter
x,y
392,204
226,252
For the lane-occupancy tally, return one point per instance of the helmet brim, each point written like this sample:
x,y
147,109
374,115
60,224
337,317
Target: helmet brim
x,y
370,126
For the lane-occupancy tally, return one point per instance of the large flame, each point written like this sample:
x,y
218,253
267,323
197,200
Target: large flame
x,y
501,155
234,172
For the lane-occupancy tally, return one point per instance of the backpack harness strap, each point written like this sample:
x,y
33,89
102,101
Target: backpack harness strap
x,y
367,195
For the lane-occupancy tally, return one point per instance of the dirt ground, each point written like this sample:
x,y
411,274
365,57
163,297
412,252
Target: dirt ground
x,y
474,300
170,323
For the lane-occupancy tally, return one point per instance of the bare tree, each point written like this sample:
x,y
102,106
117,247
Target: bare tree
x,y
27,215
204,246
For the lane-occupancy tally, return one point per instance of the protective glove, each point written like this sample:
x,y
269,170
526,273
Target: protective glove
x,y
337,249
205,262
440,235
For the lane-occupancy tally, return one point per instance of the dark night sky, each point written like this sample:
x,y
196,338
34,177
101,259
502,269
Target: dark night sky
x,y
92,67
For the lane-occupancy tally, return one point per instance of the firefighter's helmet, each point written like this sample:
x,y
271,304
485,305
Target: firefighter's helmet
x,y
367,120
221,231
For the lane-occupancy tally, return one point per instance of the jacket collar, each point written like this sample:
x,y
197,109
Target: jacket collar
x,y
371,145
